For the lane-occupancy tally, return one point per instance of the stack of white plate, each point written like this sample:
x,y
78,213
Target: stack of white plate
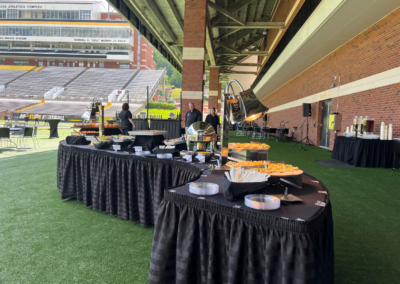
x,y
142,153
164,156
348,134
369,136
203,188
262,202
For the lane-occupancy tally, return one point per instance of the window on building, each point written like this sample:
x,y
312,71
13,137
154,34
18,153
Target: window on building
x,y
12,14
124,65
67,64
88,64
85,15
101,65
40,63
3,14
81,64
60,63
53,63
1,61
21,62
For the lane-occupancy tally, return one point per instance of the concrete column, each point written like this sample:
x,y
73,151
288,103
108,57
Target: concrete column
x,y
213,88
193,55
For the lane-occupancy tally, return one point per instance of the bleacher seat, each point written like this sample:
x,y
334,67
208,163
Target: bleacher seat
x,y
137,88
6,76
38,83
97,83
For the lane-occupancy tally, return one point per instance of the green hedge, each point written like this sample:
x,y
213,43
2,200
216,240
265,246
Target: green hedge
x,y
160,105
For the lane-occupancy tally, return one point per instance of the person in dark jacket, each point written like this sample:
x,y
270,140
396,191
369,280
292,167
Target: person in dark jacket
x,y
213,119
193,115
125,117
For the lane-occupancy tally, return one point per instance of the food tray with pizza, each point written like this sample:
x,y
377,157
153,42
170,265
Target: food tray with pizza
x,y
266,167
175,141
248,146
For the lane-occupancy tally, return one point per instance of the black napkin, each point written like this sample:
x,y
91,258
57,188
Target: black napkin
x,y
77,140
238,190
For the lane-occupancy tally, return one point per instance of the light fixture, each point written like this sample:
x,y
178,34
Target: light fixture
x,y
117,62
264,32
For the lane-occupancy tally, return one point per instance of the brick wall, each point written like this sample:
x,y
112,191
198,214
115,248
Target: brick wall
x,y
373,51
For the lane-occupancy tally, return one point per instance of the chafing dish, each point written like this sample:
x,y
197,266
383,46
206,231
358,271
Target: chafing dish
x,y
201,133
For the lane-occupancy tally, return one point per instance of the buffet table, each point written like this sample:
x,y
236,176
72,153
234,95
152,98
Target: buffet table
x,y
208,240
122,184
364,152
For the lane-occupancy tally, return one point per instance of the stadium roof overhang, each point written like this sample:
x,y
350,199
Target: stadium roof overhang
x,y
235,29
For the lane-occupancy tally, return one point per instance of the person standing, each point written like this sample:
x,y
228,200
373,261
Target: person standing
x,y
26,118
213,119
193,115
36,118
44,117
125,117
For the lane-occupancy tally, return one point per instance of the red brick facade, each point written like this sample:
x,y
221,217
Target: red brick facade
x,y
195,36
372,52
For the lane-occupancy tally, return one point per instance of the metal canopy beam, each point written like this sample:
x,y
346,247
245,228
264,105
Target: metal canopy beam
x,y
237,72
225,13
251,25
227,47
231,9
229,64
263,53
227,34
251,41
176,14
161,19
178,42
209,42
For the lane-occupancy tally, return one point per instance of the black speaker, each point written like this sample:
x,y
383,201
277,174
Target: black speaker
x,y
306,110
265,117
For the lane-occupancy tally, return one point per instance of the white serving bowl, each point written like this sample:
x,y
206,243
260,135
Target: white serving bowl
x,y
203,188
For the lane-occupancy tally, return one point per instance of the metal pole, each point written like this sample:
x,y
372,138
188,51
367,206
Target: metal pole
x,y
147,102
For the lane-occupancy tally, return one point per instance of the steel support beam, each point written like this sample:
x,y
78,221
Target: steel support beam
x,y
225,13
251,25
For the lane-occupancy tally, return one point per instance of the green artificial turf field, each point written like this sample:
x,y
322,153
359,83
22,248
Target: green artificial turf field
x,y
46,240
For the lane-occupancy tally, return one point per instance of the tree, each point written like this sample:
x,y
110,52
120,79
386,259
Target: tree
x,y
174,78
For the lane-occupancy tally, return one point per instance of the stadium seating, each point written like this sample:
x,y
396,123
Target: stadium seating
x,y
96,83
60,108
6,76
138,87
36,84
12,105
118,107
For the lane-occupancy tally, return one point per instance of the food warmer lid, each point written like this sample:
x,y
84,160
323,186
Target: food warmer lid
x,y
201,128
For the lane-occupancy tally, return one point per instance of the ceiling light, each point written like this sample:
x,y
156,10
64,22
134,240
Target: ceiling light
x,y
264,32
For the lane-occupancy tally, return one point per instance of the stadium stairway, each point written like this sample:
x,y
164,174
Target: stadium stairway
x,y
31,106
38,68
73,79
6,84
130,80
109,104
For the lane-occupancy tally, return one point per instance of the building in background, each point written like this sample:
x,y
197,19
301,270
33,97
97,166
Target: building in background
x,y
70,34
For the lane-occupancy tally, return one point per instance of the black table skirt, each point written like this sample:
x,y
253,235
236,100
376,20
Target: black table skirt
x,y
202,241
364,152
148,143
126,185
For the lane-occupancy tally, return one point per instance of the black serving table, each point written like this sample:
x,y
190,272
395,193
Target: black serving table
x,y
173,127
211,240
364,152
54,127
121,184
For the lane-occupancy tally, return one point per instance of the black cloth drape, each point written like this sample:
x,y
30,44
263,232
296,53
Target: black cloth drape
x,y
173,127
126,185
210,241
364,152
148,143
53,127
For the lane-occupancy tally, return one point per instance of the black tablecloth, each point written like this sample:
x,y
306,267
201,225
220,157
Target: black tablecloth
x,y
54,127
127,185
364,152
173,127
148,142
209,241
